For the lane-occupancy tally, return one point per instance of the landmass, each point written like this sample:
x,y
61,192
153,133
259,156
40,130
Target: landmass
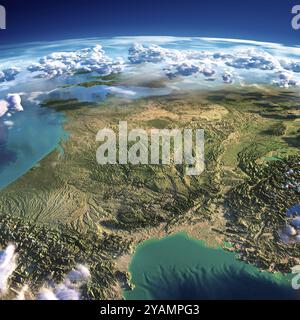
x,y
69,209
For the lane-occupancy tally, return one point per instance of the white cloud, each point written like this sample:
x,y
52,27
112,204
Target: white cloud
x,y
7,267
60,292
242,41
9,74
46,294
219,64
12,104
15,101
175,62
227,77
250,62
154,53
66,292
253,59
3,107
8,123
69,289
290,65
184,69
120,91
68,63
285,79
79,274
22,293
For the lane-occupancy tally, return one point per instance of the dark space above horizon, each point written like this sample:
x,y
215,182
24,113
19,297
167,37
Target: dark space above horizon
x,y
47,20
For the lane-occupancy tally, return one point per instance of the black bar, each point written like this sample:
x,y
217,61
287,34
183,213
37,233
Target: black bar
x,y
90,310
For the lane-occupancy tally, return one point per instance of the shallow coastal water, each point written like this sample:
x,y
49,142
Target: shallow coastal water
x,y
180,267
34,134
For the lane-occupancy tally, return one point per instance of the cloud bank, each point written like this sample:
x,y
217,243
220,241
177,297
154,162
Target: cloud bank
x,y
247,61
68,63
217,64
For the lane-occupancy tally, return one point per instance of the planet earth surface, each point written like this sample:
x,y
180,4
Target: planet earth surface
x,y
60,208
